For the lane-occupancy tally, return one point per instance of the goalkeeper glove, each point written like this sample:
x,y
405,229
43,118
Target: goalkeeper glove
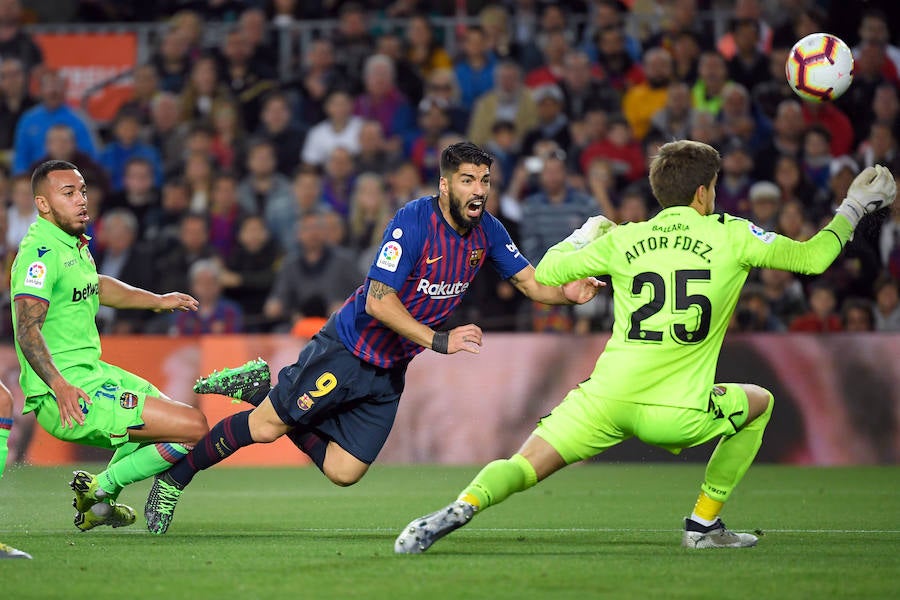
x,y
593,228
872,189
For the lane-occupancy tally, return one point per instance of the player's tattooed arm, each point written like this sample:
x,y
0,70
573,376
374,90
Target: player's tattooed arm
x,y
379,290
30,317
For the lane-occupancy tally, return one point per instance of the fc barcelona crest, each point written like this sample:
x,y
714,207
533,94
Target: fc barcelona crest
x,y
475,257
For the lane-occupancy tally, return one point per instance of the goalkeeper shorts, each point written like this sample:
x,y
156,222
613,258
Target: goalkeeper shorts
x,y
582,426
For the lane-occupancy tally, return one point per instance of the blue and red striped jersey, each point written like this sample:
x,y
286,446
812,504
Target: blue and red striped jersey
x,y
431,266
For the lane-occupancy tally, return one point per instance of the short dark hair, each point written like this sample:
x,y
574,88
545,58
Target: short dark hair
x,y
44,169
680,168
460,153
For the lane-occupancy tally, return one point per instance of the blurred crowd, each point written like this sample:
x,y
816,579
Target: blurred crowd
x,y
265,197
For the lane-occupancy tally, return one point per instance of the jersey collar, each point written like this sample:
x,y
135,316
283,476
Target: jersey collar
x,y
48,228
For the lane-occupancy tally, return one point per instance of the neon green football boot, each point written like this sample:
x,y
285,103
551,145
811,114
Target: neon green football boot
x,y
118,515
7,551
87,491
251,381
160,507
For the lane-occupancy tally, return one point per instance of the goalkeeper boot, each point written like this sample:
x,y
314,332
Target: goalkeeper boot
x,y
161,501
7,551
116,515
87,491
714,536
250,382
419,535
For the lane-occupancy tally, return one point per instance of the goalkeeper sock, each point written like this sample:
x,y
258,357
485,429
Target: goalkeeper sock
x,y
141,463
733,456
498,480
5,428
224,439
706,510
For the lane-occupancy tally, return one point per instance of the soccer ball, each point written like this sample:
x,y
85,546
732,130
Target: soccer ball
x,y
819,67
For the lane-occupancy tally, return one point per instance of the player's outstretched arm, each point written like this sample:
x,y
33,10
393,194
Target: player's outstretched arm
x,y
383,304
30,316
119,294
572,292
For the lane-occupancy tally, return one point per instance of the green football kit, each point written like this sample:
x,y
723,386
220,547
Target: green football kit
x,y
58,269
677,279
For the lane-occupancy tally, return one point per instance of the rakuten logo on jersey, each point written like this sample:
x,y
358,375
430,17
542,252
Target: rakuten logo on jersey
x,y
442,290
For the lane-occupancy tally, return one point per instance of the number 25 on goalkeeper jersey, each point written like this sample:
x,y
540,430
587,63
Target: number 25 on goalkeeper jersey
x,y
676,280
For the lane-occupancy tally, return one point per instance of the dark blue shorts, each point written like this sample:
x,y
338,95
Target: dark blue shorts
x,y
334,393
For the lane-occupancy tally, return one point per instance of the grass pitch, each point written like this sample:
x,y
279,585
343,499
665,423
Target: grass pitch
x,y
591,531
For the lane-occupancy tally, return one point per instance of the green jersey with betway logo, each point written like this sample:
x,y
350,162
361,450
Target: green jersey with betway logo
x,y
676,281
57,268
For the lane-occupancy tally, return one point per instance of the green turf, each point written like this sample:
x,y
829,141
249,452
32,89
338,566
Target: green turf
x,y
594,531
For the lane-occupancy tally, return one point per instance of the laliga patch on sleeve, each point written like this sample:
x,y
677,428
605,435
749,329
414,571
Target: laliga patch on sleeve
x,y
765,236
389,256
36,274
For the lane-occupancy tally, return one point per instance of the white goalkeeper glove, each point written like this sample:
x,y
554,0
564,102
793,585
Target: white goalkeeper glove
x,y
872,189
593,228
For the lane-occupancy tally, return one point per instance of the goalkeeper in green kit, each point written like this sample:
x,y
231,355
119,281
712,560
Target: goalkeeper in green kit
x,y
676,279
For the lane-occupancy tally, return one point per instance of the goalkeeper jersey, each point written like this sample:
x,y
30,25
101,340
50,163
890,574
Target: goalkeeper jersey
x,y
676,280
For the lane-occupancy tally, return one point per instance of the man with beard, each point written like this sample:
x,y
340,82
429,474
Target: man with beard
x,y
338,401
643,100
75,396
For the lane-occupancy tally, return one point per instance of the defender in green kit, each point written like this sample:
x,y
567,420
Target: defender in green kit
x,y
75,396
676,279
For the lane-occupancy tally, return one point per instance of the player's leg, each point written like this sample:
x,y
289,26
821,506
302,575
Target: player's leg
x,y
728,464
249,382
6,422
576,429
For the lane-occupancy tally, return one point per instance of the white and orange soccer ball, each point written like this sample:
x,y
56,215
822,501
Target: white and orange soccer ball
x,y
819,67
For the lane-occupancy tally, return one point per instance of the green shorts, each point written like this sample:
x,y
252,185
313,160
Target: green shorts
x,y
118,402
581,427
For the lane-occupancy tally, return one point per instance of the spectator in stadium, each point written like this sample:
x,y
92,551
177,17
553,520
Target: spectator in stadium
x,y
263,190
199,173
834,120
15,42
349,427
620,70
160,225
673,121
225,213
19,216
441,83
754,312
739,118
146,88
172,62
406,77
792,182
423,51
423,149
874,31
712,75
508,100
60,145
339,130
286,135
250,269
168,133
769,94
734,183
203,91
607,14
14,101
792,222
786,139
857,315
885,108
749,66
228,137
337,181
375,154
816,157
382,100
319,76
643,99
31,130
554,48
583,87
254,24
746,10
678,17
783,293
139,193
889,243
247,81
352,42
216,315
887,303
879,147
126,145
821,316
315,280
503,45
620,148
404,183
856,102
676,406
765,200
123,256
175,260
370,211
475,68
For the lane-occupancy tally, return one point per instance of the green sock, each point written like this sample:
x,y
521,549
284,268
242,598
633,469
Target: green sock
x,y
498,480
129,465
733,456
5,426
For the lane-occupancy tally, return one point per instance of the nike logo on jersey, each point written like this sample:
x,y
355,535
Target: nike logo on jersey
x,y
431,261
42,251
